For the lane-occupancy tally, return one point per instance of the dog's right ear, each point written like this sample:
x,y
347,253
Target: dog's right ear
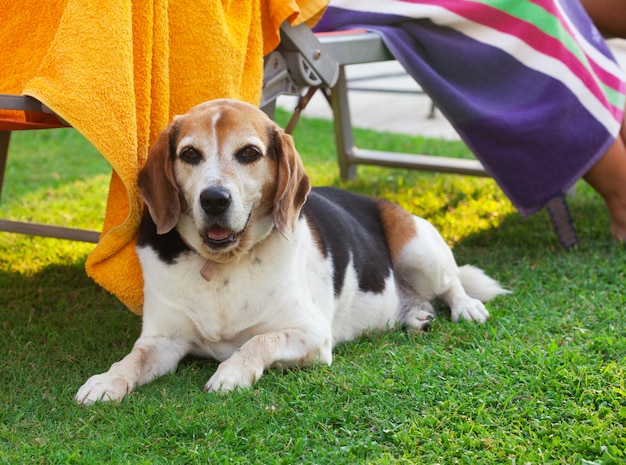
x,y
157,184
292,186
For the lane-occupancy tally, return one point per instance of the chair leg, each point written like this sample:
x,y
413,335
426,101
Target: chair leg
x,y
34,229
344,138
5,136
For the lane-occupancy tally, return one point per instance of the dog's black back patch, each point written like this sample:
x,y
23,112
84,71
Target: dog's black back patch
x,y
348,225
167,246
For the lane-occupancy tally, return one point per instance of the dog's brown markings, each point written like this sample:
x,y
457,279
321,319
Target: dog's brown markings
x,y
317,239
306,359
268,192
143,356
398,224
223,316
157,184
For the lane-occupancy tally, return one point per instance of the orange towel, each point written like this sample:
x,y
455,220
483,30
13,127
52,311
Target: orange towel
x,y
118,71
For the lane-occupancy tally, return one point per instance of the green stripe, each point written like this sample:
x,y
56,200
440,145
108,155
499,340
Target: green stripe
x,y
615,97
549,24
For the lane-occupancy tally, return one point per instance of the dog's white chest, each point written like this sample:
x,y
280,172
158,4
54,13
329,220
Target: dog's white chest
x,y
251,297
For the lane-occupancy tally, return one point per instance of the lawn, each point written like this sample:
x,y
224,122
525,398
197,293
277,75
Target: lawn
x,y
543,381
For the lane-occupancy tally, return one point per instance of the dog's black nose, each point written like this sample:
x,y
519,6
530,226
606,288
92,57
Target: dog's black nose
x,y
215,200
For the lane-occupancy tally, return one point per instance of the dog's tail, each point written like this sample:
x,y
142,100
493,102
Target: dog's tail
x,y
478,285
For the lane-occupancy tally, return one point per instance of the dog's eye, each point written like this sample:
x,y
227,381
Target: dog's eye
x,y
190,155
248,154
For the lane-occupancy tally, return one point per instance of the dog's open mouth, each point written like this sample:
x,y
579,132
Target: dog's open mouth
x,y
218,236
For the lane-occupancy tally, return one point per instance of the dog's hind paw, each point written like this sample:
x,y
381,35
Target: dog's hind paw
x,y
420,321
420,317
103,388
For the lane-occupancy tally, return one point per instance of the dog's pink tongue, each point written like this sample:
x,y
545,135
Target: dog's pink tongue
x,y
218,233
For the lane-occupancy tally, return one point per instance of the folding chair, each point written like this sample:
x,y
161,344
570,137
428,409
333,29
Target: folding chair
x,y
319,52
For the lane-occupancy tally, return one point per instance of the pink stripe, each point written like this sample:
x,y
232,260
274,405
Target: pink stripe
x,y
525,31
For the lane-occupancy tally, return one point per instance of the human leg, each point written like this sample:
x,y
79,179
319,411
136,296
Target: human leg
x,y
609,16
608,178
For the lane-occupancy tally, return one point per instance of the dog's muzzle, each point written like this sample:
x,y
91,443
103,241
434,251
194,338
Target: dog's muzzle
x,y
215,202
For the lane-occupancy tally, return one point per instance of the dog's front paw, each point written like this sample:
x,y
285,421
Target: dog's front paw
x,y
470,310
232,375
103,387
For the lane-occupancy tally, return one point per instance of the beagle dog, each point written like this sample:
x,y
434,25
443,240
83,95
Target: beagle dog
x,y
243,262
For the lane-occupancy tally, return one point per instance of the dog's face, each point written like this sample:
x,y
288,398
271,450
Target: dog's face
x,y
224,175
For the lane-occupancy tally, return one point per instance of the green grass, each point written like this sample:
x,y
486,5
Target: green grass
x,y
543,381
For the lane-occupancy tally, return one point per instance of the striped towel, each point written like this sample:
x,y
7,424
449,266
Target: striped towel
x,y
530,85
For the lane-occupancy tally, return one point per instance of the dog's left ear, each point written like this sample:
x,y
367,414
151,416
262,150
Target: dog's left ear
x,y
157,184
293,185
